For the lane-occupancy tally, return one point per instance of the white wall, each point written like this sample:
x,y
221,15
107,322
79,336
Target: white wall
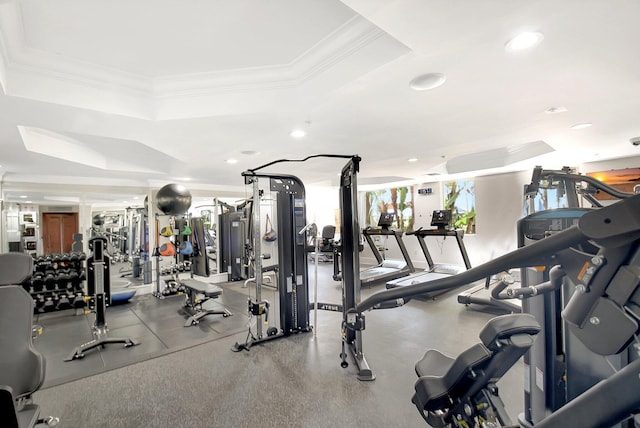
x,y
322,205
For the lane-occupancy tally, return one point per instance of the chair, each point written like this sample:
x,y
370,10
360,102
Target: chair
x,y
325,245
464,388
22,367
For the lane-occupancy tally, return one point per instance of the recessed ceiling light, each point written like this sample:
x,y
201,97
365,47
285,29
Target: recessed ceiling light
x,y
297,133
125,202
427,81
525,40
581,125
185,178
23,196
136,198
29,202
554,110
413,160
231,161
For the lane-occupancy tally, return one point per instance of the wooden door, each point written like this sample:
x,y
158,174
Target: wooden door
x,y
57,232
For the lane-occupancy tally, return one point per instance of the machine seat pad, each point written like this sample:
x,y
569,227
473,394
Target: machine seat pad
x,y
451,377
209,290
433,363
505,326
26,417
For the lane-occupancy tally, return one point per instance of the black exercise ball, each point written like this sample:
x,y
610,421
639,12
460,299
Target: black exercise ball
x,y
173,199
98,219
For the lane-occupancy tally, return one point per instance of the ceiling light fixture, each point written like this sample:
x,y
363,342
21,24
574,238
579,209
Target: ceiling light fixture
x,y
297,133
412,159
554,110
581,125
23,196
523,41
231,161
427,81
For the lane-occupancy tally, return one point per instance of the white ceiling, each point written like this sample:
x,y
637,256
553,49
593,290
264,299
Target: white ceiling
x,y
118,97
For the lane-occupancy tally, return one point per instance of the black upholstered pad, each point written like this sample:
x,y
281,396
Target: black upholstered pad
x,y
504,326
15,268
432,392
209,290
433,363
8,407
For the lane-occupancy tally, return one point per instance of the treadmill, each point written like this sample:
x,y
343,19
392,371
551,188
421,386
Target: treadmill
x,y
442,220
385,270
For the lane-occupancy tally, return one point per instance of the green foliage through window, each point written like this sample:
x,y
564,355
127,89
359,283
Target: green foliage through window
x,y
398,200
460,198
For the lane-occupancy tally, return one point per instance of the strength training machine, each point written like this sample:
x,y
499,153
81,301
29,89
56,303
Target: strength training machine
x,y
292,287
98,285
600,255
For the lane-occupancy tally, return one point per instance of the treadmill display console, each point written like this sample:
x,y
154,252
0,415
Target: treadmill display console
x,y
386,220
441,219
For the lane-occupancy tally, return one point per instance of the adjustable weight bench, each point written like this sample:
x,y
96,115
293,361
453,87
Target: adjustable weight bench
x,y
198,292
464,388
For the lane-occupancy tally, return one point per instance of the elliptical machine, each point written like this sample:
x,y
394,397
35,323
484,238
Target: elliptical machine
x,y
98,287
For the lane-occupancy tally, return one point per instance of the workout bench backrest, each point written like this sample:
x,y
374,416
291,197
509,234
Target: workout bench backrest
x,y
21,365
15,268
504,340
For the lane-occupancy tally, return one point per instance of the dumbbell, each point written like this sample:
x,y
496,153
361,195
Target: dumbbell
x,y
50,281
62,280
78,300
73,277
48,305
39,301
63,302
37,282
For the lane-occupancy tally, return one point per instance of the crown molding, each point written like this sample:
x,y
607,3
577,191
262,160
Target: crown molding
x,y
43,76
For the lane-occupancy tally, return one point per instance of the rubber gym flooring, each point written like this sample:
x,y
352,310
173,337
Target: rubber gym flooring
x,y
158,324
189,377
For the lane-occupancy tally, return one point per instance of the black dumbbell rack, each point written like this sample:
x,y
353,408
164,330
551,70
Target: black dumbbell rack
x,y
57,282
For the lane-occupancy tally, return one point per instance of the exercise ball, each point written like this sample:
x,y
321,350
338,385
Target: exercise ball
x,y
173,199
98,219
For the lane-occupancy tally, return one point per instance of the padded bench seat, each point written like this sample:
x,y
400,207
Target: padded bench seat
x,y
197,293
209,290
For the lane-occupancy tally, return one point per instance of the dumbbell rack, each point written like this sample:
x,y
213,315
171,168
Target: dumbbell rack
x,y
57,282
